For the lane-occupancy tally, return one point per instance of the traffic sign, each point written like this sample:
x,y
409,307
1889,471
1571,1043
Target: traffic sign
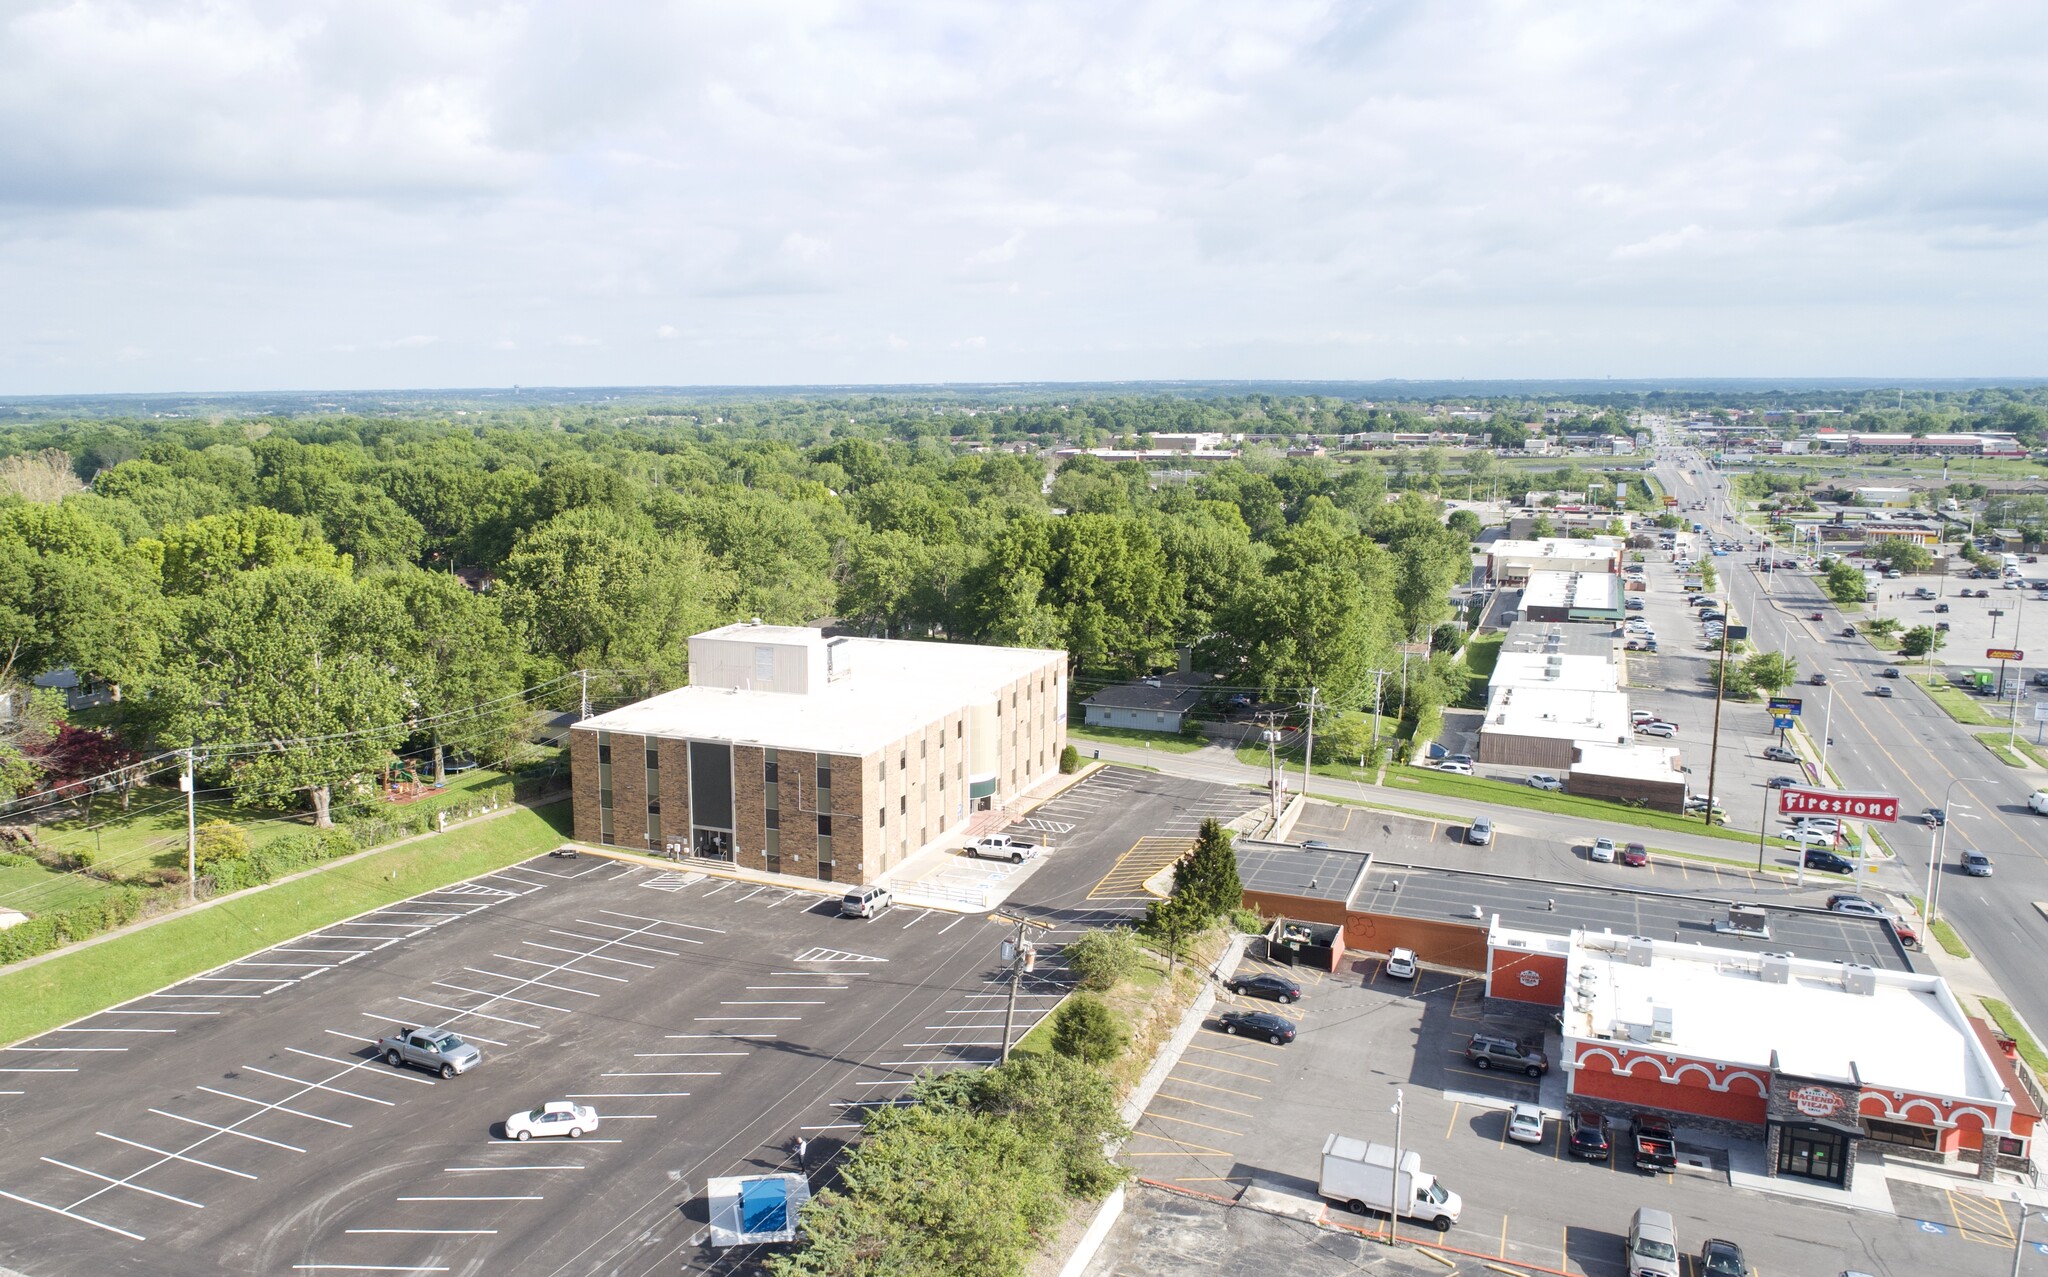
x,y
1671,501
2004,654
1785,705
1783,722
1798,801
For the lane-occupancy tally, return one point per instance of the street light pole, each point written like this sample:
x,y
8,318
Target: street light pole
x,y
2019,1240
1938,844
1394,1192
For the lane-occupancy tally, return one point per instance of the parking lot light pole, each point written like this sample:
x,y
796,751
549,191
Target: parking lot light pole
x,y
1936,846
1394,1192
2019,1239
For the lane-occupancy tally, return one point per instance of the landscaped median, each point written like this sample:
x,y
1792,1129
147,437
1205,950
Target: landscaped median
x,y
1479,790
57,990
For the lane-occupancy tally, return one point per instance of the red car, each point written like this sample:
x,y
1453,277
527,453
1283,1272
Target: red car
x,y
1635,855
1815,617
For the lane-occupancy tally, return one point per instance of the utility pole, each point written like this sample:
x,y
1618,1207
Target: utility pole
x,y
190,781
1379,679
1308,753
586,694
1272,734
1021,954
1714,748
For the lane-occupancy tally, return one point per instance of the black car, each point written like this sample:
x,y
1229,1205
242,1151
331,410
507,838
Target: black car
x,y
1487,1051
1935,817
1828,860
1721,1259
1784,782
1589,1138
1259,1024
1266,986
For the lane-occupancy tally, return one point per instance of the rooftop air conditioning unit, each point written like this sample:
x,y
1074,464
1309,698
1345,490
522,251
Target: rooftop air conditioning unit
x,y
1776,968
1639,951
1860,980
1660,1024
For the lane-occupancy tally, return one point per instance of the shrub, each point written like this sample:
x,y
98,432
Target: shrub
x,y
1249,921
1070,761
1101,958
219,840
1085,1029
12,860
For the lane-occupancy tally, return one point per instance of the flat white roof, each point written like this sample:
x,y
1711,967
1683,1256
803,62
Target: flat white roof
x,y
896,687
1632,761
1572,589
1558,712
1907,1033
1565,670
1566,548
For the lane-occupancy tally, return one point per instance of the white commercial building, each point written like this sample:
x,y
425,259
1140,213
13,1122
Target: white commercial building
x,y
1538,726
1511,562
1572,596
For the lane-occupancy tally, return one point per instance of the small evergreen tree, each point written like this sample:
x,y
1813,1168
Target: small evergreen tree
x,y
1085,1029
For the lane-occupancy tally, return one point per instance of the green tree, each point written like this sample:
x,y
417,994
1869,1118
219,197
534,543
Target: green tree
x,y
1922,640
1084,1028
1884,626
208,551
460,667
1102,957
1845,583
1903,556
287,680
1771,671
1208,877
1464,524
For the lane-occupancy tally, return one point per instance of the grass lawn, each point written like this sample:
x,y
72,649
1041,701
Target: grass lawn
x,y
1483,653
2009,1024
2031,750
1165,742
1423,780
62,989
1944,934
1995,742
1956,703
1882,642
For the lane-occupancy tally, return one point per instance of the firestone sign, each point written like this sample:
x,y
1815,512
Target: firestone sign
x,y
1815,1101
1529,979
1827,802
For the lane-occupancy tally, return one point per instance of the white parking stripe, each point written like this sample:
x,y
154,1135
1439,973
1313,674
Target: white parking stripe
x,y
369,1268
318,1086
430,1232
499,1140
669,1074
667,1054
459,1011
569,1166
67,1048
122,1183
452,1198
228,1130
533,980
756,1002
360,1063
557,966
131,1011
791,1018
627,1095
385,1019
230,1095
609,941
59,1210
225,1170
501,997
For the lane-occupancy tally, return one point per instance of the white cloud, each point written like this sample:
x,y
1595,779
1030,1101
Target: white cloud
x,y
1109,192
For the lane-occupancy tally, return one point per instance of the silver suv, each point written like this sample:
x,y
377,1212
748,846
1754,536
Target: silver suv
x,y
1487,1051
1651,1248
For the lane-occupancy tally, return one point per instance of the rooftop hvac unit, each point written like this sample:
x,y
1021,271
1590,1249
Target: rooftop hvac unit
x,y
1639,951
1859,979
1776,968
1660,1024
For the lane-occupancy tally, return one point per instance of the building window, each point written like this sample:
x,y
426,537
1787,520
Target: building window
x,y
824,826
604,824
771,819
653,757
922,752
654,826
959,729
903,761
882,813
604,749
824,783
771,767
764,666
824,864
903,804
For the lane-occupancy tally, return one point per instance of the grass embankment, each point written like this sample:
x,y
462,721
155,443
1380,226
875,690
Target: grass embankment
x,y
1956,703
1476,789
2009,1024
1165,742
1945,935
1995,742
1482,654
1882,642
78,983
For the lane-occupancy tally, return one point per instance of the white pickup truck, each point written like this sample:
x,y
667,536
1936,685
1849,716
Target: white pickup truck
x,y
1003,847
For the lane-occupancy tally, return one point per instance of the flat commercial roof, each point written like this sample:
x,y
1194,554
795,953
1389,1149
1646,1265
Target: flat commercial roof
x,y
1573,589
897,687
1558,712
1562,638
1556,908
1289,869
1907,1032
1572,673
1628,762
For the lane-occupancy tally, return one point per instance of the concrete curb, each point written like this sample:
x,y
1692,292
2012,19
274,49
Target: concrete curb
x,y
1106,1215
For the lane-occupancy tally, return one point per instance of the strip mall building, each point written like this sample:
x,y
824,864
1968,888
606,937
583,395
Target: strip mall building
x,y
1813,1056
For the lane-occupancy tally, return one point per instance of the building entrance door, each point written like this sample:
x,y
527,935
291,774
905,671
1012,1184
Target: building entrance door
x,y
1812,1154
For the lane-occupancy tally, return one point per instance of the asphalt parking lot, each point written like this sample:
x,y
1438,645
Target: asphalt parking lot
x,y
240,1122
1248,1118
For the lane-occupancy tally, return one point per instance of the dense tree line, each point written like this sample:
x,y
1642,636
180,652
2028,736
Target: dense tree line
x,y
283,595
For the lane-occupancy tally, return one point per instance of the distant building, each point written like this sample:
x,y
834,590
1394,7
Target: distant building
x,y
1146,706
1954,445
1893,498
1511,562
1572,596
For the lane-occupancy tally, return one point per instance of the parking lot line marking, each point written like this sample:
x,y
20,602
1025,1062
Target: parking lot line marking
x,y
353,953
1210,1068
369,1268
385,1019
1224,1090
1453,1123
278,1108
561,966
225,1170
455,1198
131,1011
832,1126
1184,1121
67,1048
501,997
998,1042
229,1130
1195,1151
460,1012
319,1086
59,1210
499,1139
916,918
523,981
26,1069
122,1183
762,1002
949,926
774,988
791,1018
718,1035
663,922
623,944
668,1055
559,1166
1210,1050
249,996
623,1095
907,1064
665,1074
428,1232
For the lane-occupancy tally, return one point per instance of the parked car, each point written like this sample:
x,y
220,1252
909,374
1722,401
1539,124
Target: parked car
x,y
1818,680
1779,754
1657,727
1815,616
1480,832
1454,767
1855,905
1544,780
1784,782
556,1117
1488,1051
1815,858
1635,855
1525,1124
1976,864
1602,851
1941,607
1589,1138
1721,1259
1651,1247
1804,837
1258,1024
1401,964
1266,986
436,1050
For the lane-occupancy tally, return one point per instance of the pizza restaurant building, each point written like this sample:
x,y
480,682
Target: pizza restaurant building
x,y
1812,1057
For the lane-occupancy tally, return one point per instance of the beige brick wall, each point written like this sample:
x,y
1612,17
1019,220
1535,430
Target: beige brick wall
x,y
675,794
583,784
629,791
749,803
1029,738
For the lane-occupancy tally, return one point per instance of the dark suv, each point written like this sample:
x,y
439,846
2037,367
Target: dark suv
x,y
1488,1052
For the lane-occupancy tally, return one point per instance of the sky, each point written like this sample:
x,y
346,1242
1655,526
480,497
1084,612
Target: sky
x,y
412,193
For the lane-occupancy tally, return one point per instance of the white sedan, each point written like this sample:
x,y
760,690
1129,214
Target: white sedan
x,y
1602,851
556,1117
1525,1124
1544,780
1810,837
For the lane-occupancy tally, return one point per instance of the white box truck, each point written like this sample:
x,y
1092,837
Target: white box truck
x,y
1361,1177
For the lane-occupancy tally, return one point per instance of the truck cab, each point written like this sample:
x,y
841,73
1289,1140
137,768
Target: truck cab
x,y
1003,847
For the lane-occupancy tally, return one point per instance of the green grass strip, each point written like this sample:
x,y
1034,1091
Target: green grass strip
x,y
1164,742
1995,742
1944,934
1476,789
62,989
1955,702
2009,1024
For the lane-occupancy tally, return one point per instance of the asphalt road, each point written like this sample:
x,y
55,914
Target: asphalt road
x,y
241,1123
1907,746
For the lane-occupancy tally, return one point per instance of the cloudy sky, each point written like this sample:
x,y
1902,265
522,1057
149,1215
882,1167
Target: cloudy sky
x,y
418,193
